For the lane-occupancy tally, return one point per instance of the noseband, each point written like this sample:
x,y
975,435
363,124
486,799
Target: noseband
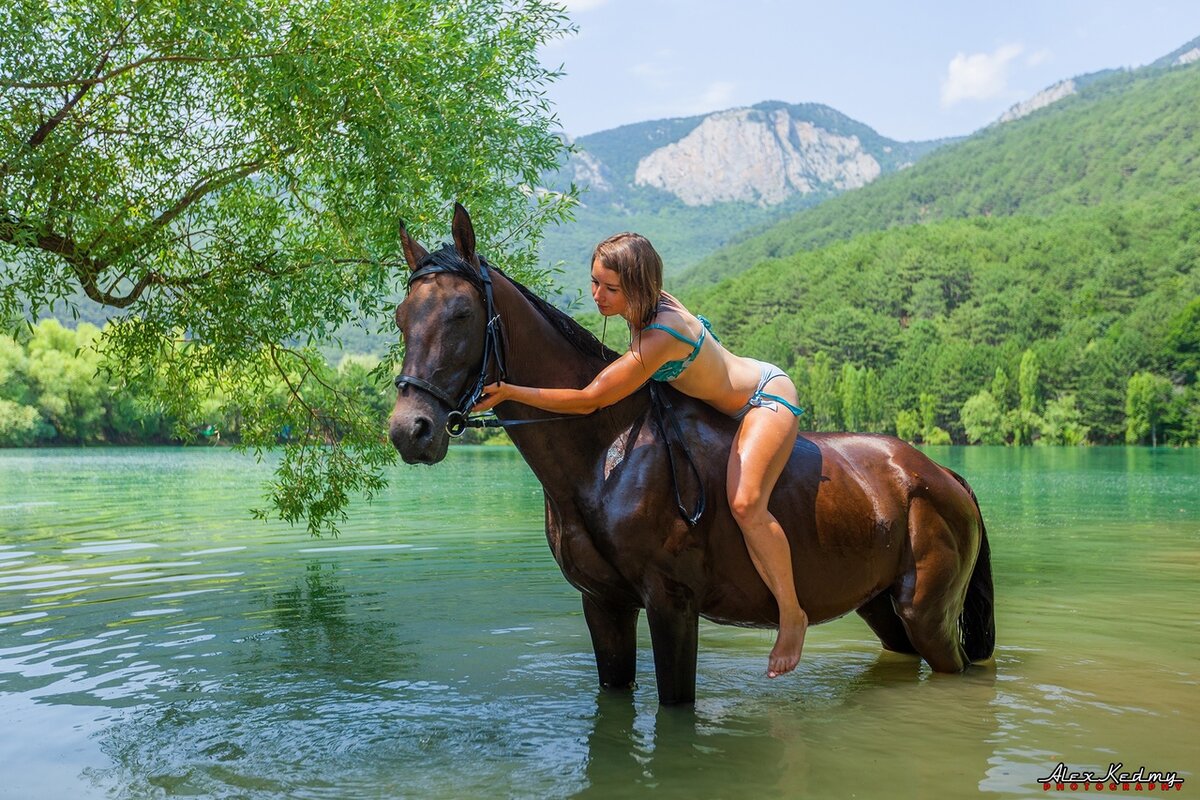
x,y
458,420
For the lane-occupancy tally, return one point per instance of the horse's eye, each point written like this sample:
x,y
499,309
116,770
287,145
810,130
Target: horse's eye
x,y
459,313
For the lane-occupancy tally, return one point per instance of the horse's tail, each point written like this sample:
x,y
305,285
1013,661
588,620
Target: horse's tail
x,y
978,620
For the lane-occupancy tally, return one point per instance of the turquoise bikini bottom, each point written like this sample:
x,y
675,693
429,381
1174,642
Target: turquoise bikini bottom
x,y
761,399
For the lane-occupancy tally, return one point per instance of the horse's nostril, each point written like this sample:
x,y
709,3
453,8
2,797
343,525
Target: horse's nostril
x,y
421,428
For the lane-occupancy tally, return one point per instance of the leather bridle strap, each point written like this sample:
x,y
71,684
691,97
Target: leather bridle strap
x,y
409,380
493,351
459,419
662,409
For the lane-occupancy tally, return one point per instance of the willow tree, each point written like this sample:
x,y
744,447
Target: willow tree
x,y
227,177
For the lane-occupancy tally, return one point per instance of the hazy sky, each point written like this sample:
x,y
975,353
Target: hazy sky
x,y
911,70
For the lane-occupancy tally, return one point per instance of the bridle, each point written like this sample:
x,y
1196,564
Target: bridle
x,y
459,419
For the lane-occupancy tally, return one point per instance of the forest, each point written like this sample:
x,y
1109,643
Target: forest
x,y
1081,327
1129,136
1036,283
54,390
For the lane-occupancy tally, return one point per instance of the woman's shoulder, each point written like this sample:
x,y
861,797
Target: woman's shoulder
x,y
677,319
670,302
670,310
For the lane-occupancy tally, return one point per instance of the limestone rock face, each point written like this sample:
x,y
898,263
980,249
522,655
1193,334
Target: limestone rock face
x,y
1042,99
588,171
1188,57
758,156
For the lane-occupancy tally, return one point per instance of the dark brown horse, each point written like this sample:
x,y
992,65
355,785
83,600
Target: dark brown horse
x,y
875,526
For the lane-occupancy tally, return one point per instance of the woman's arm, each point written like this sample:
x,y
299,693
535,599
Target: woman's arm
x,y
615,382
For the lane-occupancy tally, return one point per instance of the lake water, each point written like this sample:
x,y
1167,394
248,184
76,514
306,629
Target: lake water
x,y
155,641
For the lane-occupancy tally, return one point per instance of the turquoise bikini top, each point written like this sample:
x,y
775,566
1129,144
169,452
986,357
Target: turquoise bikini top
x,y
673,369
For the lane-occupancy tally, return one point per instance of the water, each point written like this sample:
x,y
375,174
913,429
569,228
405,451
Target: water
x,y
157,642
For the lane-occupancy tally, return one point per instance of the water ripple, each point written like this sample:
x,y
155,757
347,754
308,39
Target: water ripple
x,y
167,646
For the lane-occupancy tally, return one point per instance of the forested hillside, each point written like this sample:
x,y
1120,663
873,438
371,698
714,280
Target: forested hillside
x,y
1125,136
989,330
1037,282
605,165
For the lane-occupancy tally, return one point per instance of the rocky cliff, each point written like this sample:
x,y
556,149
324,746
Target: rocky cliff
x,y
1040,100
762,155
691,184
756,156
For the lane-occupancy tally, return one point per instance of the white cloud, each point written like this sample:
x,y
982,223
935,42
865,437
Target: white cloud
x,y
650,71
980,76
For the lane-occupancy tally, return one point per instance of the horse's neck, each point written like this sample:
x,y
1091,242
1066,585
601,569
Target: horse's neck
x,y
537,354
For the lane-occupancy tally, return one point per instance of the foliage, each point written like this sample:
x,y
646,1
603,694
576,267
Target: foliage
x,y
55,390
18,424
1072,305
982,419
1127,136
228,176
1182,342
1062,423
1146,401
908,425
930,432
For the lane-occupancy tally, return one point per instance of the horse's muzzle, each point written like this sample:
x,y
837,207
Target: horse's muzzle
x,y
419,437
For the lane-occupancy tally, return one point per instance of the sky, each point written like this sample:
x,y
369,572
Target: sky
x,y
913,70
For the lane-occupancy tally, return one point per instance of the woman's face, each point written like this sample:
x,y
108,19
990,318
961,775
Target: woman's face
x,y
606,290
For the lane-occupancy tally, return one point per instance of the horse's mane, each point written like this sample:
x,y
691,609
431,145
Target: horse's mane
x,y
579,337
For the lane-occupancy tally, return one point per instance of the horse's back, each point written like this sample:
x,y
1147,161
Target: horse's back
x,y
843,501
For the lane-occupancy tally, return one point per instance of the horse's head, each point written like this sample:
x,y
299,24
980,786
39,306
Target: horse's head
x,y
443,322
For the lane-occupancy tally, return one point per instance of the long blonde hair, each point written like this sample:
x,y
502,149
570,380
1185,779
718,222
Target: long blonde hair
x,y
640,267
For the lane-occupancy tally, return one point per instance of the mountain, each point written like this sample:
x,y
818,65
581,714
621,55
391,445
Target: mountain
x,y
1051,94
1179,57
1121,134
1038,279
694,184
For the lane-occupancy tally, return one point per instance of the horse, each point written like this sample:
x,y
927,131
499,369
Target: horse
x,y
874,525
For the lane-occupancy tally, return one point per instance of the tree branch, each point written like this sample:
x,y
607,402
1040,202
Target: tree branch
x,y
211,183
88,83
85,86
87,269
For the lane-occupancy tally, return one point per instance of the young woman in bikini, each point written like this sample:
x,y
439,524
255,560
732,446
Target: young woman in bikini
x,y
670,344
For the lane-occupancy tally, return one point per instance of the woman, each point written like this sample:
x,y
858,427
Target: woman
x,y
668,343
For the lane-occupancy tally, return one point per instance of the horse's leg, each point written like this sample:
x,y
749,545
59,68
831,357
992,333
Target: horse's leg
x,y
674,629
931,601
881,616
614,639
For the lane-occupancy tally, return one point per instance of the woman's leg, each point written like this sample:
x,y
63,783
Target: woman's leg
x,y
760,451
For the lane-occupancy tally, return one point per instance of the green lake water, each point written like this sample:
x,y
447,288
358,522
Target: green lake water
x,y
155,641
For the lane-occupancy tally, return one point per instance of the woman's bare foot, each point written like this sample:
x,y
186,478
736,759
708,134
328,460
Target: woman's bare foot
x,y
785,655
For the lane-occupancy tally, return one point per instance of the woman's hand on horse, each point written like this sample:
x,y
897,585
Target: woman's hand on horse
x,y
493,395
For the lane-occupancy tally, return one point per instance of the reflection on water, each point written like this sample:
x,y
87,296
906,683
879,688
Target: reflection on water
x,y
156,642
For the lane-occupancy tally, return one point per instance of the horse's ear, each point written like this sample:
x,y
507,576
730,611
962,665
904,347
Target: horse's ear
x,y
413,252
464,235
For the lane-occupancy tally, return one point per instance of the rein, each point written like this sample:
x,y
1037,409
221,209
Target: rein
x,y
663,412
459,418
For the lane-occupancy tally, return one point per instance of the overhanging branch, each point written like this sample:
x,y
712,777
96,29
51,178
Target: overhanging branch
x,y
88,83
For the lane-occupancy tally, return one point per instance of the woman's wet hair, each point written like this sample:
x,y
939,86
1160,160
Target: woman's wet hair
x,y
640,267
